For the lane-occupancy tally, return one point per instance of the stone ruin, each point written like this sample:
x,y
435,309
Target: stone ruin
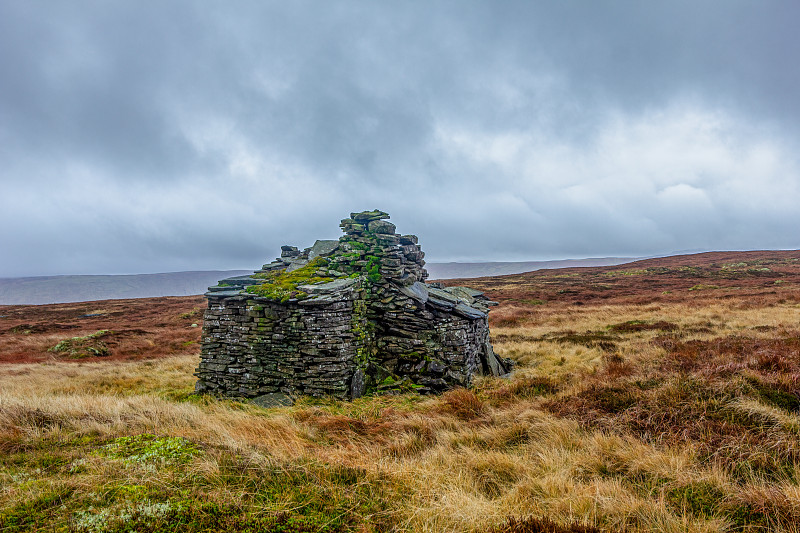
x,y
342,318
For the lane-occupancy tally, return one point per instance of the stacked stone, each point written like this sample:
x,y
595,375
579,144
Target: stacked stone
x,y
256,348
434,337
369,233
377,325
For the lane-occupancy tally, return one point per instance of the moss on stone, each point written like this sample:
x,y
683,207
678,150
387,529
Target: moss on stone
x,y
373,268
282,286
363,333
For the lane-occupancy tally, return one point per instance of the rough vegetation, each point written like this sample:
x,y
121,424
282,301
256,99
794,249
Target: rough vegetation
x,y
87,346
689,422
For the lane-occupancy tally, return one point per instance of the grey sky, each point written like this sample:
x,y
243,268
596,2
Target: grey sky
x,y
159,136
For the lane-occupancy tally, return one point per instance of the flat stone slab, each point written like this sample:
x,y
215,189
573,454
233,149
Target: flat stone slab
x,y
366,216
464,292
297,263
440,294
418,291
273,399
224,293
239,281
336,285
382,226
468,311
318,300
322,248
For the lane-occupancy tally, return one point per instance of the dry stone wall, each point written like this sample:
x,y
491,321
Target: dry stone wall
x,y
342,318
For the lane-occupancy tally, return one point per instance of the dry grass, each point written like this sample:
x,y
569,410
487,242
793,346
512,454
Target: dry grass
x,y
668,416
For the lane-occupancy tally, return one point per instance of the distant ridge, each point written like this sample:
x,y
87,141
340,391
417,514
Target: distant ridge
x,y
66,289
480,270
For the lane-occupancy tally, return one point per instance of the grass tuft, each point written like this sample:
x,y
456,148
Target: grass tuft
x,y
81,347
463,404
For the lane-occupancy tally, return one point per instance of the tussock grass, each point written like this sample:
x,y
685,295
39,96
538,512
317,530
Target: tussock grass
x,y
689,421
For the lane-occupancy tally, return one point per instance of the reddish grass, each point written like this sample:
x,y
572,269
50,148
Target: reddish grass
x,y
142,328
681,397
667,279
510,316
463,404
669,381
726,355
635,325
689,398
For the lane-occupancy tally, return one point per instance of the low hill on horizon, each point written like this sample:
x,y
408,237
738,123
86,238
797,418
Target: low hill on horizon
x,y
38,290
66,289
707,275
84,288
501,268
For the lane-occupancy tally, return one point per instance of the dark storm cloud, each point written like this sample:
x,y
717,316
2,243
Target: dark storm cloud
x,y
181,135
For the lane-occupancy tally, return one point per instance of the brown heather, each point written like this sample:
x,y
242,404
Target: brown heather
x,y
643,401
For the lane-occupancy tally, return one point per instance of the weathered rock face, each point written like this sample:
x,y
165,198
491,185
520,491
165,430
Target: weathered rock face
x,y
342,318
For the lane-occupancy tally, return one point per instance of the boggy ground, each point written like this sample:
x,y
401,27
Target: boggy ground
x,y
656,396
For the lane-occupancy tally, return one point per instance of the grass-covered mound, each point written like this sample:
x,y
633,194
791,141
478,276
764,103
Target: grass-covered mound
x,y
90,345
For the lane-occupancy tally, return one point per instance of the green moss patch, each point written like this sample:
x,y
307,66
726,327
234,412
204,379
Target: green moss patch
x,y
197,517
282,286
150,448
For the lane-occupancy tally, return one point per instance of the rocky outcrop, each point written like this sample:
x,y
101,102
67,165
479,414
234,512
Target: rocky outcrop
x,y
342,318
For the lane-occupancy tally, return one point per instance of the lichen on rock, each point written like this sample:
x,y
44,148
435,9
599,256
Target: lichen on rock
x,y
343,318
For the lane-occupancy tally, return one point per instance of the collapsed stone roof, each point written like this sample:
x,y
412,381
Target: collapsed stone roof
x,y
360,311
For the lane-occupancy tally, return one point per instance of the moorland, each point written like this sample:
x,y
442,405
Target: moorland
x,y
660,395
60,289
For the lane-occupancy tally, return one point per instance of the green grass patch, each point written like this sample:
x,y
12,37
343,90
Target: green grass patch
x,y
773,395
81,347
703,287
74,490
191,517
702,498
633,272
28,515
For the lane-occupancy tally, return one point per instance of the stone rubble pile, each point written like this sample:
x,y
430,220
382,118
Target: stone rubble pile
x,y
342,318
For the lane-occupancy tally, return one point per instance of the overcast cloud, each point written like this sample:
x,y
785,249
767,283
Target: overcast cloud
x,y
174,135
